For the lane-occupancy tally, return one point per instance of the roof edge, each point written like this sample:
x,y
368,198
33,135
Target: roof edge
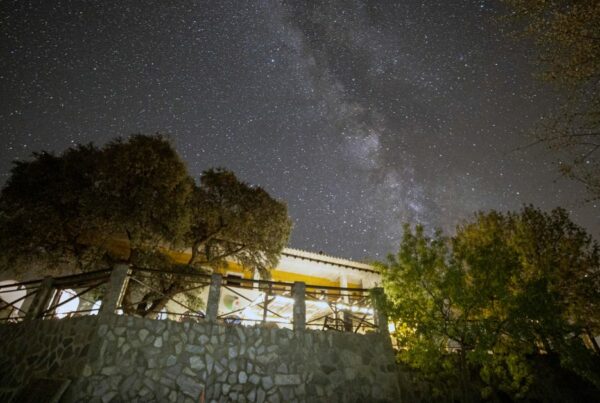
x,y
320,257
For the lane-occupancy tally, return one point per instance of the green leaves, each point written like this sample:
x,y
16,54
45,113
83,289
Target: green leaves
x,y
133,200
231,219
505,286
144,188
47,206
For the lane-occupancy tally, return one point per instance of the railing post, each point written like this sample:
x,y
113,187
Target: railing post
x,y
41,299
299,305
381,319
117,285
268,292
346,316
214,296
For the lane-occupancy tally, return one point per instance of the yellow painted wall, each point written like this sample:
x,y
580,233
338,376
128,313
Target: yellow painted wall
x,y
277,275
120,247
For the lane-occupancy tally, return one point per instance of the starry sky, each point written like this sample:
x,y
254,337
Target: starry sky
x,y
360,115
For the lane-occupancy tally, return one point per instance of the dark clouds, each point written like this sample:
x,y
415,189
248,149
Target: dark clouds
x,y
359,115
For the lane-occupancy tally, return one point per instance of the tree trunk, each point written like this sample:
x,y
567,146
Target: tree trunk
x,y
593,341
464,376
152,303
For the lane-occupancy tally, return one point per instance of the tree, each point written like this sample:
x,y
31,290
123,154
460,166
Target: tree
x,y
567,35
133,201
505,288
143,192
47,208
69,212
231,219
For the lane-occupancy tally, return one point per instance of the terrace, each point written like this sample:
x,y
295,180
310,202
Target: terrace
x,y
199,297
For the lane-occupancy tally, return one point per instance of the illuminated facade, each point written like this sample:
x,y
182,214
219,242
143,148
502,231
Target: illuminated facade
x,y
337,293
317,269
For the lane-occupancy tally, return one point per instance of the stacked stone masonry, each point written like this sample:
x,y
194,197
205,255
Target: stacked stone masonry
x,y
43,348
123,358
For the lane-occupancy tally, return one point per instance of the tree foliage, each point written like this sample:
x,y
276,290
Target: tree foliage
x,y
47,207
567,35
478,305
134,201
143,191
232,219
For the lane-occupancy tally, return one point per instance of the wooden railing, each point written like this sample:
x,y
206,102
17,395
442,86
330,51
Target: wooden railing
x,y
192,296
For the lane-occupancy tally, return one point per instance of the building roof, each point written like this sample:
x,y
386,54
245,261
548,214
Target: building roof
x,y
320,257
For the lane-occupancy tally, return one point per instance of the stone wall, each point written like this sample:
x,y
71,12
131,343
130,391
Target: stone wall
x,y
43,348
164,360
134,359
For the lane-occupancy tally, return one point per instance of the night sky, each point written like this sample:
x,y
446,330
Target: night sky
x,y
360,115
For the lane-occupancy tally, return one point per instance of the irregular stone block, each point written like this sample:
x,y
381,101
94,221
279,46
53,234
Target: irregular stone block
x,y
87,370
219,368
108,396
102,329
282,368
242,377
209,364
260,396
267,382
349,373
143,334
254,379
109,370
196,363
289,379
194,349
274,398
171,360
189,386
173,371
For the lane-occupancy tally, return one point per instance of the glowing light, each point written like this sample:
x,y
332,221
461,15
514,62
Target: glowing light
x,y
66,308
318,304
355,308
282,299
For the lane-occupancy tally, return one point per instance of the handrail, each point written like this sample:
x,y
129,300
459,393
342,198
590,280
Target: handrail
x,y
93,275
61,279
346,309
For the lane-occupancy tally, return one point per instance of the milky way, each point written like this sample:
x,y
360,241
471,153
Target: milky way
x,y
361,116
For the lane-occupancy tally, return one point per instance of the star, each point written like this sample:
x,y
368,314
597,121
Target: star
x,y
359,116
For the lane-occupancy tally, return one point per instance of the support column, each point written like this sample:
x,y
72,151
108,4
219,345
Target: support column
x,y
117,284
41,300
214,296
268,292
346,316
299,291
381,320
